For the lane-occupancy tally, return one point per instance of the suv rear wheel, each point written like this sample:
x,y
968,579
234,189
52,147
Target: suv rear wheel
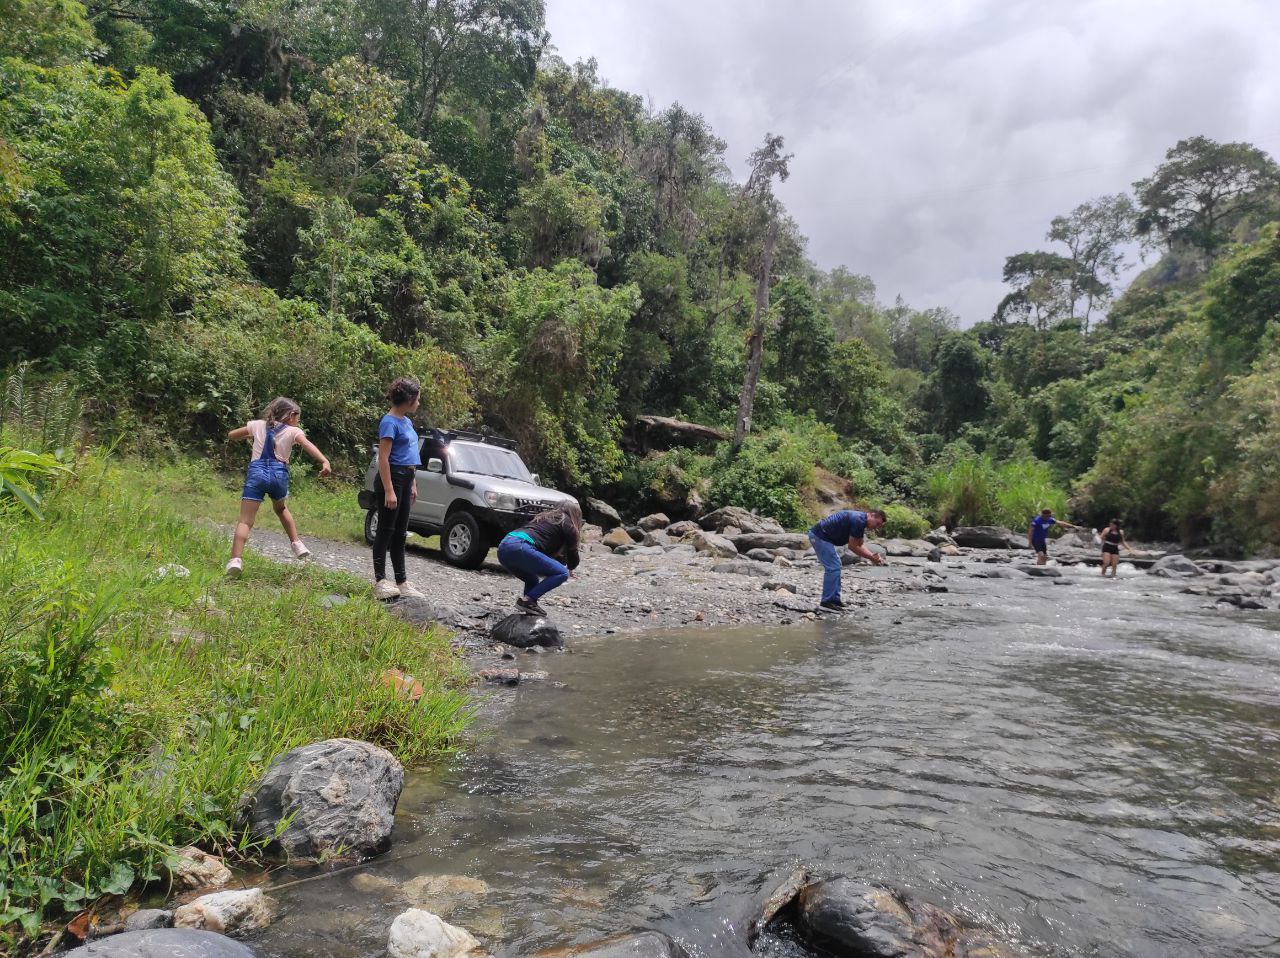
x,y
370,526
464,541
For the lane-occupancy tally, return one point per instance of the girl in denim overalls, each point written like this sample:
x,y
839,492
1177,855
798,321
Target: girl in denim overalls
x,y
274,436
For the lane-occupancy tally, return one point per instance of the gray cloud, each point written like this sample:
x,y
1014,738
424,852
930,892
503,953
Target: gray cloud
x,y
935,137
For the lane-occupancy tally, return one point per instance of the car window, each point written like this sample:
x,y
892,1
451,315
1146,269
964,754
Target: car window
x,y
487,461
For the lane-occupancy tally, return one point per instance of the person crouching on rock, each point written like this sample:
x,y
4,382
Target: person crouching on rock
x,y
848,526
529,552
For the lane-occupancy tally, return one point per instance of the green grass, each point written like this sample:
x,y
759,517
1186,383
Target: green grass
x,y
136,709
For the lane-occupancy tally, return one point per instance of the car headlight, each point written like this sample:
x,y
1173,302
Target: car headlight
x,y
500,500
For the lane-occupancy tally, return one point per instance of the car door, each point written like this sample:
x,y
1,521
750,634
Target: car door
x,y
433,491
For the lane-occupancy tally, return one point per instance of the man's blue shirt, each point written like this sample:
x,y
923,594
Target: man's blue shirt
x,y
839,527
1040,528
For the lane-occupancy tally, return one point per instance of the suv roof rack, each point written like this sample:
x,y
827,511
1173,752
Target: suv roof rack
x,y
448,435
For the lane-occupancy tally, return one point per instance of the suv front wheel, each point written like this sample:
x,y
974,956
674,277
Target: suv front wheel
x,y
464,541
370,526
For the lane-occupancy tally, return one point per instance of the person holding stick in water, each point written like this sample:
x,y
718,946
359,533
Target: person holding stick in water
x,y
1112,539
1038,533
848,526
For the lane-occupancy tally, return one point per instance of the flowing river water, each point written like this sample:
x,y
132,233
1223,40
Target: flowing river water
x,y
1092,770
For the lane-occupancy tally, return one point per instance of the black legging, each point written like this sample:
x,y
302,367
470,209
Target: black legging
x,y
393,524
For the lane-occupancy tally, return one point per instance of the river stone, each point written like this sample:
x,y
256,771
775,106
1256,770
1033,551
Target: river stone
x,y
602,514
525,631
339,795
678,530
776,585
424,612
856,918
902,548
420,934
771,540
738,518
741,567
761,555
636,533
226,912
658,520
192,868
639,550
935,555
164,943
1002,573
712,544
1174,566
639,944
1040,571
939,537
656,537
616,538
146,919
988,537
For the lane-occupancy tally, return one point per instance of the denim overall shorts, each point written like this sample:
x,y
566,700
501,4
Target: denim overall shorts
x,y
267,475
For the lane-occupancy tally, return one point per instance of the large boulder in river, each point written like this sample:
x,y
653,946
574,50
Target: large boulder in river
x,y
338,796
1175,566
740,519
525,631
988,537
602,514
638,944
771,540
164,943
848,917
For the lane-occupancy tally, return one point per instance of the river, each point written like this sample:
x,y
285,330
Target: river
x,y
1091,769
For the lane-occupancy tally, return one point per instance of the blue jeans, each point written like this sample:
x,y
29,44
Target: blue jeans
x,y
266,477
831,567
539,572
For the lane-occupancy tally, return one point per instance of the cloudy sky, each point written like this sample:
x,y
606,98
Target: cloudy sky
x,y
935,137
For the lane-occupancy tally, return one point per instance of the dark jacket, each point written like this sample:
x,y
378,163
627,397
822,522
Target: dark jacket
x,y
554,536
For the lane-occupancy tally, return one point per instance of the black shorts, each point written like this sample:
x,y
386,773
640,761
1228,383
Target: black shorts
x,y
1041,547
1110,549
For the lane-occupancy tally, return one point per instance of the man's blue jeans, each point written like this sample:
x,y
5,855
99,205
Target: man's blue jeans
x,y
831,567
540,573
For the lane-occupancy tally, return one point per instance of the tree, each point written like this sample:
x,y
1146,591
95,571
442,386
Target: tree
x,y
1094,233
955,392
766,163
1046,287
849,299
1202,190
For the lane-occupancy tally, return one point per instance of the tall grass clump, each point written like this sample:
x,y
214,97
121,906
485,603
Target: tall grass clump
x,y
137,704
974,490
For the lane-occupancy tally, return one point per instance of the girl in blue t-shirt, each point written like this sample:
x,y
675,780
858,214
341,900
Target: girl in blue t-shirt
x,y
396,487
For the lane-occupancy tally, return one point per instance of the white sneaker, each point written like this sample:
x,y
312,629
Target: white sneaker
x,y
382,589
234,568
300,551
407,589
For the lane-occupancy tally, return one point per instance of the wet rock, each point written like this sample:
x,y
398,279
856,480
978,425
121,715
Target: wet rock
x,y
226,912
658,520
640,944
1175,566
602,514
742,520
339,796
988,537
1040,571
147,919
421,934
849,917
712,544
192,868
164,943
741,567
616,537
678,530
935,555
508,677
770,540
527,631
939,537
442,892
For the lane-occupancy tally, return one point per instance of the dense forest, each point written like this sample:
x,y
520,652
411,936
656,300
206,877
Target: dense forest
x,y
206,205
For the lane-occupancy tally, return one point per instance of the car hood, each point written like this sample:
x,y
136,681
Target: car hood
x,y
521,490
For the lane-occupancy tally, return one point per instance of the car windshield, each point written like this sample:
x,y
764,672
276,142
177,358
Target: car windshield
x,y
487,461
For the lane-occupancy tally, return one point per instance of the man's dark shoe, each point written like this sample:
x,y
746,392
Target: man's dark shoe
x,y
832,605
530,607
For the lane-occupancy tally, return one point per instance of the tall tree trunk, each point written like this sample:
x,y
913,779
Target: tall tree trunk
x,y
755,355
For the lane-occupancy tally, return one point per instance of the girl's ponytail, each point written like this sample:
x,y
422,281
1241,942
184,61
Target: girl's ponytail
x,y
278,410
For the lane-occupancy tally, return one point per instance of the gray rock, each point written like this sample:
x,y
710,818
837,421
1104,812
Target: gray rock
x,y
417,933
339,795
761,555
1002,573
525,631
191,868
226,912
639,944
656,537
771,540
681,549
742,520
935,554
164,943
333,601
774,585
146,919
424,612
617,538
636,533
658,520
602,514
988,537
639,550
1175,566
939,537
742,567
678,530
899,548
1040,571
712,544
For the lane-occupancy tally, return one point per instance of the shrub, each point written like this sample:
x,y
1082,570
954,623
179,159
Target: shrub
x,y
973,490
902,522
767,475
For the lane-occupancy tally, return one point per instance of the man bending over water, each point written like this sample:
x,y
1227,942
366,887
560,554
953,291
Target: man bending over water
x,y
848,526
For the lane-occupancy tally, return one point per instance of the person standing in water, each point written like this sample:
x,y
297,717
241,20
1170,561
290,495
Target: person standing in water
x,y
1112,539
840,528
533,553
1038,533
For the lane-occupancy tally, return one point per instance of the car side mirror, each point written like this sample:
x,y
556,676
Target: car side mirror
x,y
537,479
435,465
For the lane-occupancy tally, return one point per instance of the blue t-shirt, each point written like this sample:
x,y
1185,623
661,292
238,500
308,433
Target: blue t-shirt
x,y
1040,528
839,527
404,440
